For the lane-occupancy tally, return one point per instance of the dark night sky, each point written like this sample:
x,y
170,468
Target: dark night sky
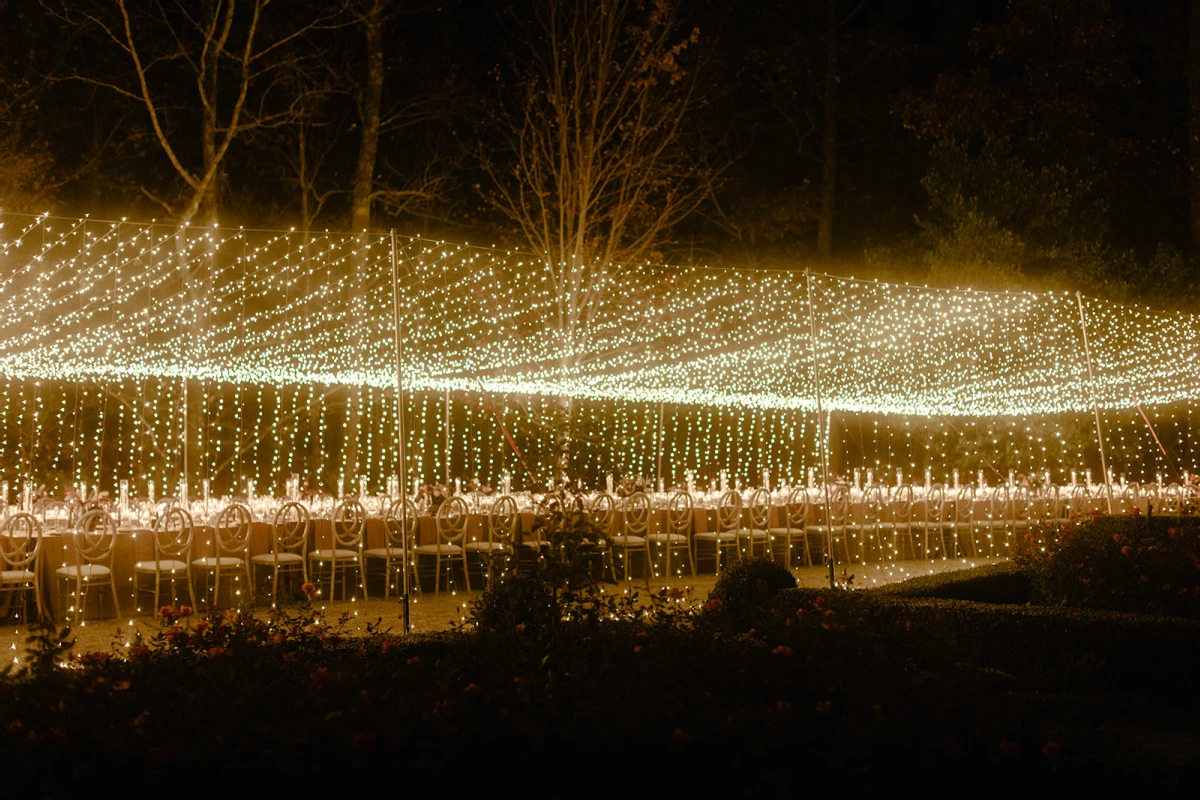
x,y
1092,92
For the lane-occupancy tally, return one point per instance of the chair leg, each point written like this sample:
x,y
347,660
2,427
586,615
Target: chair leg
x,y
112,585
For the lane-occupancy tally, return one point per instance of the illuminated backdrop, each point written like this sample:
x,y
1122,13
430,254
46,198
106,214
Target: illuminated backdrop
x,y
285,344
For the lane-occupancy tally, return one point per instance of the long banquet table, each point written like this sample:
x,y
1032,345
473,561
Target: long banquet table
x,y
136,543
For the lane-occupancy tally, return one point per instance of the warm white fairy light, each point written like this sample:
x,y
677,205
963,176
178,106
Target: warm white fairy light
x,y
118,300
106,302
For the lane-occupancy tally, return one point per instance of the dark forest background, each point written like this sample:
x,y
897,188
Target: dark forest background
x,y
989,144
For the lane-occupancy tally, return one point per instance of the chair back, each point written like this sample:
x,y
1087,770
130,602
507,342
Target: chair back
x,y
233,530
1172,499
289,528
637,514
729,511
502,520
872,505
838,511
1079,500
20,541
679,513
347,522
173,533
760,509
400,520
1191,500
935,503
451,520
1052,499
964,504
603,510
1000,504
547,504
797,508
1020,504
95,537
900,504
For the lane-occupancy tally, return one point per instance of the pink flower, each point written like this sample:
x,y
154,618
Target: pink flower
x,y
310,591
166,611
714,604
184,611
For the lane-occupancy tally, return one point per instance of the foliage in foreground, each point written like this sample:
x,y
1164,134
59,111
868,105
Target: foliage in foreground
x,y
716,697
1004,583
1148,565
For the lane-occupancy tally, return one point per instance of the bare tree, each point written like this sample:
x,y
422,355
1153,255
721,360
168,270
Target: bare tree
x,y
233,56
385,109
1193,152
595,163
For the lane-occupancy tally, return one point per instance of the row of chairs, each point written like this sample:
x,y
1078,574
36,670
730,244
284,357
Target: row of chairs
x,y
731,538
229,566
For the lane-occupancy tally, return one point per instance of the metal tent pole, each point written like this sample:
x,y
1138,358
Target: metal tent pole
x,y
658,454
446,403
397,338
812,330
1087,352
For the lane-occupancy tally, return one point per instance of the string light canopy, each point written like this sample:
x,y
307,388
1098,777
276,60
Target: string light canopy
x,y
84,299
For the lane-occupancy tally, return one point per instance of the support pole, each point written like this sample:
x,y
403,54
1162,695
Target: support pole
x,y
1087,352
403,471
447,408
812,337
658,455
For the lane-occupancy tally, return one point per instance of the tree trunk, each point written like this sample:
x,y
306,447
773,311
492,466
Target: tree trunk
x,y
829,137
1194,128
372,98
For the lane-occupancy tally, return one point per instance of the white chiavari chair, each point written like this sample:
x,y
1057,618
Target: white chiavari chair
x,y
231,552
635,525
173,533
1053,508
502,522
1172,500
1191,500
344,555
962,526
603,512
995,526
795,524
399,541
95,542
675,538
866,521
1022,512
20,567
928,524
451,520
832,520
757,534
290,528
899,520
724,539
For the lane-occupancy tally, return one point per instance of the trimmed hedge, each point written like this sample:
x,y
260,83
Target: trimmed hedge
x,y
1047,648
1004,583
1150,566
